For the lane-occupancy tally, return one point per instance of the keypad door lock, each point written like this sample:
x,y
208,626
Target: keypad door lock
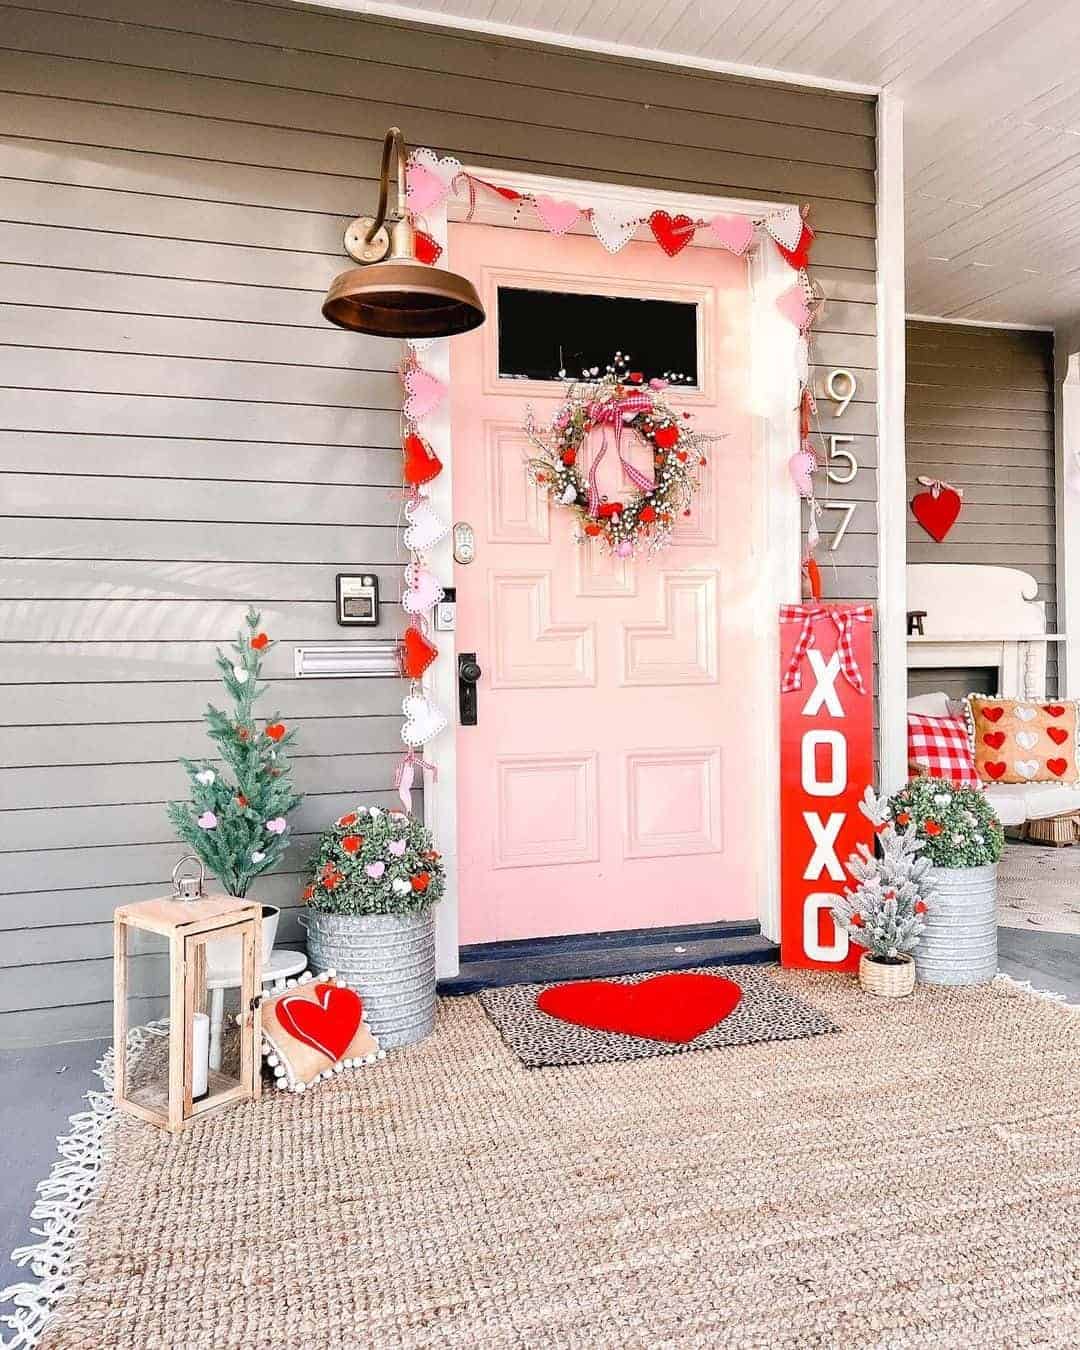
x,y
468,674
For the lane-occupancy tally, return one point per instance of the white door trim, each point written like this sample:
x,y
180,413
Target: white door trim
x,y
1067,508
774,380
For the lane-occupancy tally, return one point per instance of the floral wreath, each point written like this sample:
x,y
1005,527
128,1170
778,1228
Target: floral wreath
x,y
619,400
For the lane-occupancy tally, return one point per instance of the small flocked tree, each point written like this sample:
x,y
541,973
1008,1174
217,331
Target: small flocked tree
x,y
884,912
237,818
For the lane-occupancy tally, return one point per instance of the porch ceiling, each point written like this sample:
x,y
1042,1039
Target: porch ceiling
x,y
992,97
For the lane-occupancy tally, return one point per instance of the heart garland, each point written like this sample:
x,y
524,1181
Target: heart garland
x,y
422,464
672,233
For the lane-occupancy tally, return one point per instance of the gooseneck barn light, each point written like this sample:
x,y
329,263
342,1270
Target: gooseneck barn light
x,y
391,294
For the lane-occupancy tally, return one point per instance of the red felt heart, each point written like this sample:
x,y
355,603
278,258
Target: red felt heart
x,y
994,768
672,235
994,739
1057,766
422,464
1057,734
993,714
937,515
674,1007
327,1025
799,256
275,730
417,653
1054,709
427,250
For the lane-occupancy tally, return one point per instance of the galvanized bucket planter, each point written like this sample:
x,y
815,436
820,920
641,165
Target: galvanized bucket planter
x,y
959,945
389,959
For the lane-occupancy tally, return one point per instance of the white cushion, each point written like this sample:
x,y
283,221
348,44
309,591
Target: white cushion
x,y
929,705
1007,799
1050,799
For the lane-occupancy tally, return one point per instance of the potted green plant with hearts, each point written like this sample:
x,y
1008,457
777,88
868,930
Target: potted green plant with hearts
x,y
963,840
886,912
376,879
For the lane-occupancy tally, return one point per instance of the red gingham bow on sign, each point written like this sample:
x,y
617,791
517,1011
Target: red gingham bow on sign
x,y
808,615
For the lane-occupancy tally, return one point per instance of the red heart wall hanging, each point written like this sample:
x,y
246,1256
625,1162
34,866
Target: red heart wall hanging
x,y
937,510
328,1024
417,653
676,1007
422,464
672,235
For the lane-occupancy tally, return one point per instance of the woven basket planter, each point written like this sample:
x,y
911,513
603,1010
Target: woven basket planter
x,y
886,979
959,944
389,959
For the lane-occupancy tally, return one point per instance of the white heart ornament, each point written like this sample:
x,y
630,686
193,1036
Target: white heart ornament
x,y
206,777
1026,768
1026,714
1027,740
400,886
423,720
612,229
786,227
422,592
240,674
569,495
424,527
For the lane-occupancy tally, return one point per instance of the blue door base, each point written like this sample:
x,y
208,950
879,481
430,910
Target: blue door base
x,y
583,956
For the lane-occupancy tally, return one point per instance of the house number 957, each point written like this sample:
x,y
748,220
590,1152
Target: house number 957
x,y
841,386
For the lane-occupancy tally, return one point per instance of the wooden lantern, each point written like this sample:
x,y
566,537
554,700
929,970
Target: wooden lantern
x,y
185,1087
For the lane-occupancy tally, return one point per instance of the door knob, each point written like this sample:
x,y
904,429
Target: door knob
x,y
468,673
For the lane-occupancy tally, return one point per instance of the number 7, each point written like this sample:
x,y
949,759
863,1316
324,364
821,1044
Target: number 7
x,y
848,509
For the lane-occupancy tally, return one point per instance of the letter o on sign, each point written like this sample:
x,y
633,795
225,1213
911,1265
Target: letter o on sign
x,y
815,949
836,783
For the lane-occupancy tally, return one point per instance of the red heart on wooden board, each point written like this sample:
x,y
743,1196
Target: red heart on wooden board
x,y
1057,734
417,653
993,714
995,768
327,1024
994,739
1057,767
422,464
1054,709
676,1007
672,235
427,250
937,515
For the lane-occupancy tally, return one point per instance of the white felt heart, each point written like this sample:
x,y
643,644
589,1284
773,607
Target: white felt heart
x,y
1027,740
1026,714
786,226
423,720
1026,768
613,227
422,590
424,527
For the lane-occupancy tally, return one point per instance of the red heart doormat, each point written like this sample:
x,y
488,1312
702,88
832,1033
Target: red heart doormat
x,y
676,1007
741,1005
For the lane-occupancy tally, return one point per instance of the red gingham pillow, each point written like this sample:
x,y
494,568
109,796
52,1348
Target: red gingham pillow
x,y
939,746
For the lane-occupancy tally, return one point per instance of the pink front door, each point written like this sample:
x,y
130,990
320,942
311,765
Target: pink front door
x,y
608,781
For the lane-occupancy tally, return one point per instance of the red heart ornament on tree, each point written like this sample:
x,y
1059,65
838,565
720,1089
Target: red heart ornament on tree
x,y
937,515
672,235
328,1024
417,653
422,464
675,1008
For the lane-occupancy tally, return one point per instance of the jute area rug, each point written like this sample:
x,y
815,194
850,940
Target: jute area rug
x,y
911,1181
1039,888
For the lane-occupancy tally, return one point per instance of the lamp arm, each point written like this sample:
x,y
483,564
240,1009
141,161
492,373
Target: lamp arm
x,y
393,140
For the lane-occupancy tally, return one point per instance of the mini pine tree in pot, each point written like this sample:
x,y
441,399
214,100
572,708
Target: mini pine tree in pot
x,y
884,913
237,819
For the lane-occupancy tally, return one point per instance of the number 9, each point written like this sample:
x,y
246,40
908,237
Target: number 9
x,y
841,399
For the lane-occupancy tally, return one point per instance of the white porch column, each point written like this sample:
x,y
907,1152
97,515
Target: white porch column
x,y
1067,513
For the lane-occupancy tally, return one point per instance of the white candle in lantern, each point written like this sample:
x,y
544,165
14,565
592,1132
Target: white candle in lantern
x,y
200,1054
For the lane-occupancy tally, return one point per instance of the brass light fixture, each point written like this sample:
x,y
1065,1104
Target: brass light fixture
x,y
391,294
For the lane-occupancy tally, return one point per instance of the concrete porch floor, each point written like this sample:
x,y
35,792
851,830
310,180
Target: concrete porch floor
x,y
42,1087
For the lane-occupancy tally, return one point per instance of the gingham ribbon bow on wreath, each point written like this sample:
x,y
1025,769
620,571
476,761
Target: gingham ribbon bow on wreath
x,y
844,619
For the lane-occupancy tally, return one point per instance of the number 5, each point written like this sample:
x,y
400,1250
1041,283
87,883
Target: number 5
x,y
846,455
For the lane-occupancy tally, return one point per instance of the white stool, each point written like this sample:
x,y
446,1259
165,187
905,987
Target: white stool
x,y
275,972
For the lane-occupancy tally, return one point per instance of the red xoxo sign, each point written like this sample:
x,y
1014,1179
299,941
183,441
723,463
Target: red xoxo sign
x,y
826,762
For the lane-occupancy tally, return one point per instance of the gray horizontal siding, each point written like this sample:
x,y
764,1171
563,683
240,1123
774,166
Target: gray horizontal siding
x,y
980,415
181,434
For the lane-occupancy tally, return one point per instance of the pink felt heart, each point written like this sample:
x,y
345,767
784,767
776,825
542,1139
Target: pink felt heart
x,y
397,847
736,233
558,217
423,393
801,465
792,305
375,869
424,189
423,591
